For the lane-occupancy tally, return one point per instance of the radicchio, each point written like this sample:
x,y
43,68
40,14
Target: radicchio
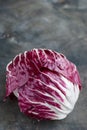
x,y
45,82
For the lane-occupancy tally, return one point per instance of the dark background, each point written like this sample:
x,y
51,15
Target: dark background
x,y
60,25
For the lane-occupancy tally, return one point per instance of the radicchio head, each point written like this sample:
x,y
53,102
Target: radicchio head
x,y
45,82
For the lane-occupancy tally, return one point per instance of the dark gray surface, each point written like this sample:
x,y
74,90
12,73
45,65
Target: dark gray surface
x,y
60,25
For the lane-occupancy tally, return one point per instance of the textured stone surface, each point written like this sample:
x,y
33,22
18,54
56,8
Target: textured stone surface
x,y
60,25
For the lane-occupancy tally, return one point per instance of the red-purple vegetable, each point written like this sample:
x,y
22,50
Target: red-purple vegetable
x,y
46,84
